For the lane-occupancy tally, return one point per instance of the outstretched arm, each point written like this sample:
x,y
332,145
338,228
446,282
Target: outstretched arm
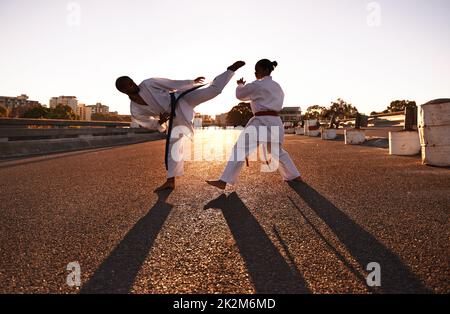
x,y
244,92
199,80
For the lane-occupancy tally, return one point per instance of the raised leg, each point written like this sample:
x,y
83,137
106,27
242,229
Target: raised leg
x,y
202,95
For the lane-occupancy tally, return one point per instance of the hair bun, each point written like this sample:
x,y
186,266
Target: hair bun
x,y
274,63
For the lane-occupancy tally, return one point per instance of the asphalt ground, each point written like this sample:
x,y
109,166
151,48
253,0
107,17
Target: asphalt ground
x,y
358,205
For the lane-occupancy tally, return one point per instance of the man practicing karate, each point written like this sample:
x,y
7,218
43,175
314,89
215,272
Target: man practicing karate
x,y
157,100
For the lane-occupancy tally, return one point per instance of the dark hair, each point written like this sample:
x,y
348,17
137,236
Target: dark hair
x,y
122,82
266,64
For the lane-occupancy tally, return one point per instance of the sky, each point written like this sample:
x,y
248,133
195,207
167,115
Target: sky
x,y
367,52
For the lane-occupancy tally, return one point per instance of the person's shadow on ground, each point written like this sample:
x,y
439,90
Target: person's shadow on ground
x,y
396,277
268,270
119,270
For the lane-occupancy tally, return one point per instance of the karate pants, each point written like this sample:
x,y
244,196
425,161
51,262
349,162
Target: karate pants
x,y
286,166
193,99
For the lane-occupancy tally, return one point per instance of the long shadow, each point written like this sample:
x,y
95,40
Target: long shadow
x,y
269,271
330,246
118,272
396,277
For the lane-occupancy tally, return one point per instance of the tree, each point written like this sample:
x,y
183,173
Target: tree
x,y
110,117
61,112
314,112
3,112
240,114
337,111
341,109
400,105
102,117
38,112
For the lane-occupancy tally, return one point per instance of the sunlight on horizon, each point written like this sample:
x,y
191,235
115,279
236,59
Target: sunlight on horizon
x,y
215,144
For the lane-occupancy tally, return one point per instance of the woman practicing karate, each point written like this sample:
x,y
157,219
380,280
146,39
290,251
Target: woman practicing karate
x,y
157,99
266,100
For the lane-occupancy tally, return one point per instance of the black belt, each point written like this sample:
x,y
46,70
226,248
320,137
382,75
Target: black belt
x,y
173,106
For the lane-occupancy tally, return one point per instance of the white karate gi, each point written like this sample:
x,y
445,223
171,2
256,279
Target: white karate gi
x,y
155,93
264,95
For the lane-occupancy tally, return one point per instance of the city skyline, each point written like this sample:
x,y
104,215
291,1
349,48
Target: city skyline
x,y
48,104
368,53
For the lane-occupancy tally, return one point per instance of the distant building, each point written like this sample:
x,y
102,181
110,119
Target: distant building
x,y
84,112
207,120
124,117
221,119
16,106
98,108
70,101
291,114
202,120
198,121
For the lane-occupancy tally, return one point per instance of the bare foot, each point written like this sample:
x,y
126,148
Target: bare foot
x,y
168,185
298,179
218,184
236,66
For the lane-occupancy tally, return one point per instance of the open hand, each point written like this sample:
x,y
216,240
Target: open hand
x,y
241,81
199,80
